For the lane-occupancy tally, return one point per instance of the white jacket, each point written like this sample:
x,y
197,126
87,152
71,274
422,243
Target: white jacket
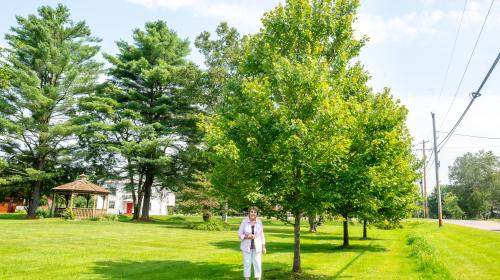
x,y
246,228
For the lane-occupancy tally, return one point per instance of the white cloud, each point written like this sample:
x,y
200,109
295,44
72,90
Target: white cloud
x,y
404,28
409,27
244,15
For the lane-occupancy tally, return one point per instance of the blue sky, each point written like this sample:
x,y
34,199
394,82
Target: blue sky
x,y
409,50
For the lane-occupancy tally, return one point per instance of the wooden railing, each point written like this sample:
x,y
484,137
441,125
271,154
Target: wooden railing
x,y
82,213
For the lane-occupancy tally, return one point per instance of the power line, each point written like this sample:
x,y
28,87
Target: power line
x,y
468,62
472,136
430,160
472,147
474,96
452,51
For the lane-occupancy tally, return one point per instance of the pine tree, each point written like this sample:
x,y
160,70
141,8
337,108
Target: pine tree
x,y
151,104
50,65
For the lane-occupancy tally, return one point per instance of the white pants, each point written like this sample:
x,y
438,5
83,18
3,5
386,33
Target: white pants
x,y
250,258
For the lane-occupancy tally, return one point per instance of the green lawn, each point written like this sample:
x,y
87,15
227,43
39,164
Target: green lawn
x,y
165,249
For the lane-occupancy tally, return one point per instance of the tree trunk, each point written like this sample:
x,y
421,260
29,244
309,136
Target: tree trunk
x,y
312,223
224,213
148,183
35,192
346,231
135,199
364,229
35,200
207,215
140,195
296,245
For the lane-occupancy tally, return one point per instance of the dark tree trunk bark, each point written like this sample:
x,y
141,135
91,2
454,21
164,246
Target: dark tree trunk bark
x,y
312,223
346,231
364,229
35,200
35,192
207,215
296,246
132,189
148,183
140,194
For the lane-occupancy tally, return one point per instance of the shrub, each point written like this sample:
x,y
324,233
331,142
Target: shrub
x,y
385,224
68,214
43,201
41,213
427,261
21,212
106,217
215,225
109,217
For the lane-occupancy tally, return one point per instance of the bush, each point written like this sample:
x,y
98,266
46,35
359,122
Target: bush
x,y
41,213
68,214
427,261
21,212
43,201
109,217
215,225
385,224
106,217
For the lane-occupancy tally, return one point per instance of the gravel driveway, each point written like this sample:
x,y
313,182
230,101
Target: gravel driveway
x,y
486,225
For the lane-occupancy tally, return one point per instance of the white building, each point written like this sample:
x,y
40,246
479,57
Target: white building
x,y
120,200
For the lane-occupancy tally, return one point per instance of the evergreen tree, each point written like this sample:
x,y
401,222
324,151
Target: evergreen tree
x,y
50,64
148,110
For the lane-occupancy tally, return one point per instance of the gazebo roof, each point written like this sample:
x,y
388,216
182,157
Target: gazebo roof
x,y
81,186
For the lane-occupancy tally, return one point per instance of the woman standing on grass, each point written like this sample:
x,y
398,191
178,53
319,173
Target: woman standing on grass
x,y
253,243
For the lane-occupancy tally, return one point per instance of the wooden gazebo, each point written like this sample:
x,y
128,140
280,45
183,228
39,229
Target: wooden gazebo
x,y
84,188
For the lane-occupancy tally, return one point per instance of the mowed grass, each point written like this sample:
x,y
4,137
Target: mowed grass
x,y
166,249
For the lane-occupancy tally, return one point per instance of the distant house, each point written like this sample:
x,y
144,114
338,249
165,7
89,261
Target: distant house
x,y
10,204
120,200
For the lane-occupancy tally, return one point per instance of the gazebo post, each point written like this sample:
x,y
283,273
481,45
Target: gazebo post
x,y
104,202
66,196
95,204
71,201
53,206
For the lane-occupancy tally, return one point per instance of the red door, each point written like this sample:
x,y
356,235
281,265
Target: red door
x,y
129,207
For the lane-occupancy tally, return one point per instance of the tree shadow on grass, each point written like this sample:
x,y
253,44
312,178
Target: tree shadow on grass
x,y
170,222
315,236
289,230
165,269
12,216
308,236
346,266
283,247
178,269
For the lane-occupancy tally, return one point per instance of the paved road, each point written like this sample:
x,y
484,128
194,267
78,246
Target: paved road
x,y
486,225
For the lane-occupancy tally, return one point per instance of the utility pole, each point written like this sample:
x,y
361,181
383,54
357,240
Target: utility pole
x,y
426,206
436,164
